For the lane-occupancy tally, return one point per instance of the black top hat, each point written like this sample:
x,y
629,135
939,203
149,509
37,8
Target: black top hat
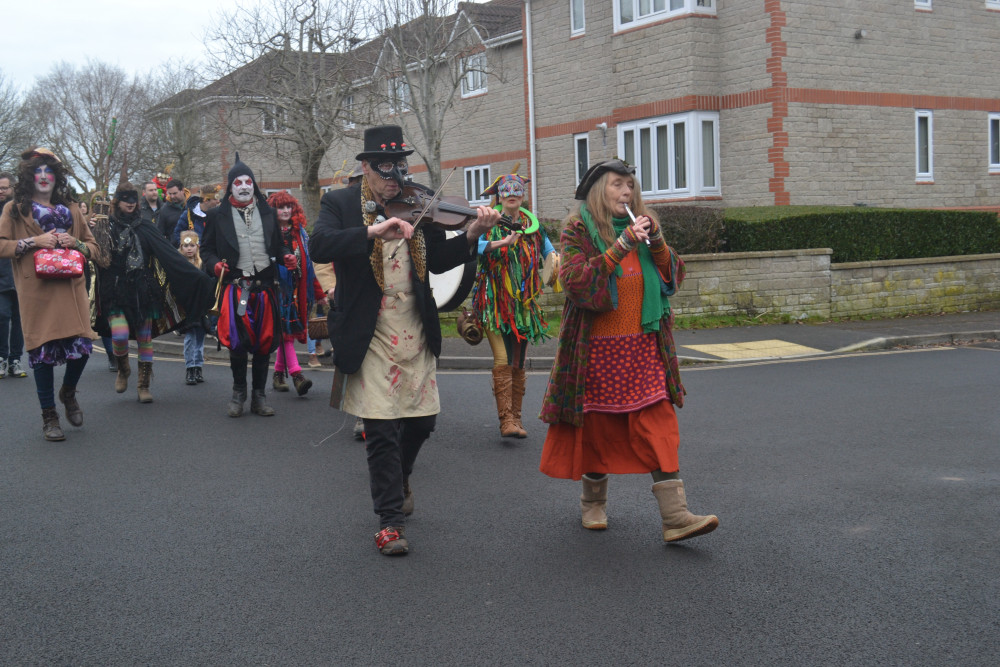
x,y
384,141
594,173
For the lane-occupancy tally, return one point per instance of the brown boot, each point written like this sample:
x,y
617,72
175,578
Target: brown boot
x,y
501,391
407,497
593,503
50,425
142,384
278,383
678,523
124,370
302,383
516,394
74,415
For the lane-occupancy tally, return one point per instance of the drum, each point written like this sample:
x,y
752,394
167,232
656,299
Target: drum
x,y
550,269
452,287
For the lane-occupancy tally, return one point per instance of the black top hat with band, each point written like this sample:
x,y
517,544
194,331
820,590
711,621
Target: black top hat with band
x,y
384,141
594,173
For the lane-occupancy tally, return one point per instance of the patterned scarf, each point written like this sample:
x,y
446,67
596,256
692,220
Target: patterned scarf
x,y
418,249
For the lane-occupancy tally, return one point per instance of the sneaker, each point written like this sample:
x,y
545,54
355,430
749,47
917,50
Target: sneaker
x,y
314,361
359,429
15,369
3,368
391,541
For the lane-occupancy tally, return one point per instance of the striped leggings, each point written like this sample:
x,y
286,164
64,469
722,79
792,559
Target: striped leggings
x,y
119,336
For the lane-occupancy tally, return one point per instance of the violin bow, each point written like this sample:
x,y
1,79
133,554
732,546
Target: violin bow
x,y
426,208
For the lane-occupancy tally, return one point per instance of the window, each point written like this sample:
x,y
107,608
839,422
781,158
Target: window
x,y
925,146
477,179
992,4
581,146
399,95
629,13
994,135
922,4
347,111
272,119
674,155
576,19
474,74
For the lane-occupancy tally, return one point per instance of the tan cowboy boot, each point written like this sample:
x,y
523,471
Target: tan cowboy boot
x,y
502,391
516,394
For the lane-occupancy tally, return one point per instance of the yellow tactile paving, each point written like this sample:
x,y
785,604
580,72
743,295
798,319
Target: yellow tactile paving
x,y
754,349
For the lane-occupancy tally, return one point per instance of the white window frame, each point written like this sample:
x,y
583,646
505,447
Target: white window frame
x,y
641,12
691,151
993,146
347,108
400,100
927,175
277,117
474,74
577,17
477,179
577,138
992,4
922,4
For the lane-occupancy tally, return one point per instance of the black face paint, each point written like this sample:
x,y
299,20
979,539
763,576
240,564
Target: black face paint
x,y
390,170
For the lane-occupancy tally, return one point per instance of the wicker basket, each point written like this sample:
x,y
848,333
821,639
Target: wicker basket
x,y
317,328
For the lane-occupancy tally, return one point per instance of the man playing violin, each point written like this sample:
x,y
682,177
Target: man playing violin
x,y
383,324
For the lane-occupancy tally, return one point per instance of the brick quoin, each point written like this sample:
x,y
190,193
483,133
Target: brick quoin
x,y
779,105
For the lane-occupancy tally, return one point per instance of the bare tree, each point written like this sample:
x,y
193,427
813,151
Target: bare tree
x,y
183,134
432,52
287,80
14,131
93,119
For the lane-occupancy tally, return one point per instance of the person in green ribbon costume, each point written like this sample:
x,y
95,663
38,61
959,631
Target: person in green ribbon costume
x,y
615,380
505,296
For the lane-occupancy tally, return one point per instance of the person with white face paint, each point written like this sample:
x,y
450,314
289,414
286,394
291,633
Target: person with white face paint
x,y
241,247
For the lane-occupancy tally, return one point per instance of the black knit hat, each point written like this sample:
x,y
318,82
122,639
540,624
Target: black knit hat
x,y
594,173
237,170
384,141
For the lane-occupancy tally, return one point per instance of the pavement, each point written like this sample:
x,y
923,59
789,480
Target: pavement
x,y
724,345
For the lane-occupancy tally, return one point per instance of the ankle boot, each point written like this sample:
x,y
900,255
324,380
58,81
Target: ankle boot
x,y
74,415
593,502
124,370
142,384
258,404
407,497
236,402
189,376
278,383
678,523
516,394
198,377
50,425
302,383
501,391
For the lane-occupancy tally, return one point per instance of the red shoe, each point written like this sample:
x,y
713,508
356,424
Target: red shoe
x,y
390,541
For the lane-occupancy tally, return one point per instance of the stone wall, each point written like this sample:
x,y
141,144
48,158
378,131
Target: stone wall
x,y
805,282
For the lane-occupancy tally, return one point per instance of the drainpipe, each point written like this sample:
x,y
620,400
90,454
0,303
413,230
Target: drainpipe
x,y
531,106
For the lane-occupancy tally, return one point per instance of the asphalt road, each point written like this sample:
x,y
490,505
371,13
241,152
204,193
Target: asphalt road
x,y
859,500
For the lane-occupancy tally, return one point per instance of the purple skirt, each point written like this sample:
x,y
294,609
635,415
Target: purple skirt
x,y
58,352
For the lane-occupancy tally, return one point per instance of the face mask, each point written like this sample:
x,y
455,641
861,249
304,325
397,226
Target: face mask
x,y
390,171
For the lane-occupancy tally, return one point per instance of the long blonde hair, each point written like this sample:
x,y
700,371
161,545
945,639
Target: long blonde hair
x,y
191,236
601,211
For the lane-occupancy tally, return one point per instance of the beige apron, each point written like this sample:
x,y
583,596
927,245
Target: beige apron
x,y
397,378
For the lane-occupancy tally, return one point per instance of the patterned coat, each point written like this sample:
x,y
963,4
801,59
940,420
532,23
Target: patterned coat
x,y
590,289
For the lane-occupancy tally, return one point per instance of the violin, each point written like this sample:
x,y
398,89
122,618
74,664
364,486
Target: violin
x,y
448,213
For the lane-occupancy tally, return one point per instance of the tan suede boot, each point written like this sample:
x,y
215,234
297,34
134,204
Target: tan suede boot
x,y
593,503
145,378
124,370
678,523
516,394
501,391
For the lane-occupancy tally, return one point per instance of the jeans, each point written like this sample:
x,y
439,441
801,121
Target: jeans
x,y
310,345
45,380
392,446
194,347
11,336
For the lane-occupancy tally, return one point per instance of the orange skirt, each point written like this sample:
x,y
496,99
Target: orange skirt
x,y
633,442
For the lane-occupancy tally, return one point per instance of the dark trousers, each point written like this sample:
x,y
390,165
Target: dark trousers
x,y
11,337
258,370
392,446
45,380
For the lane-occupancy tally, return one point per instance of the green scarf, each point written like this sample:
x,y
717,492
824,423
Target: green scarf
x,y
654,304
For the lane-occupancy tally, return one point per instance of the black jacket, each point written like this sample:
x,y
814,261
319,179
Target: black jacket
x,y
220,242
341,237
148,214
166,218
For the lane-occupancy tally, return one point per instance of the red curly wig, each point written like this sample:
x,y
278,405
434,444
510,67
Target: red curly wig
x,y
279,199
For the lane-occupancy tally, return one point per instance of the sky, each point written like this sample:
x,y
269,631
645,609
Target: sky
x,y
136,36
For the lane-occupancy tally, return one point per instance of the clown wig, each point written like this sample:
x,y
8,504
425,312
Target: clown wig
x,y
279,199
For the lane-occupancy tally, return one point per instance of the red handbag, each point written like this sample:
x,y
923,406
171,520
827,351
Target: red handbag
x,y
58,263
